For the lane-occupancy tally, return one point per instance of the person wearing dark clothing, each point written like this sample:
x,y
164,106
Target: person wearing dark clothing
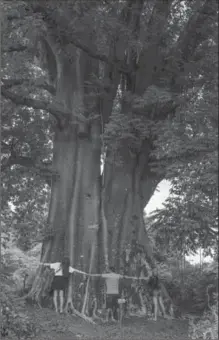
x,y
154,284
155,290
60,280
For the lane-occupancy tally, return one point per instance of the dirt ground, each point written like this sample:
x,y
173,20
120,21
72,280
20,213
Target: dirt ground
x,y
53,326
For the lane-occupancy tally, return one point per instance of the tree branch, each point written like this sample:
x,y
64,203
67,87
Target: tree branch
x,y
151,56
49,88
19,160
8,83
196,31
102,57
44,170
59,114
55,20
15,48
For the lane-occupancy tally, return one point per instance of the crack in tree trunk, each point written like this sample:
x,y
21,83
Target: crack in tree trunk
x,y
119,230
74,205
86,296
104,230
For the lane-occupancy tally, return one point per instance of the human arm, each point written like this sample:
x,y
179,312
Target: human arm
x,y
46,264
74,270
106,275
96,275
71,270
143,278
128,277
53,266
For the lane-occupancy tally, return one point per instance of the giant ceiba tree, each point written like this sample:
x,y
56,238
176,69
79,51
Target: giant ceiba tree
x,y
115,72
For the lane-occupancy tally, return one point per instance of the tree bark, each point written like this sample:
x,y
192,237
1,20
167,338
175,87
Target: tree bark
x,y
75,194
129,188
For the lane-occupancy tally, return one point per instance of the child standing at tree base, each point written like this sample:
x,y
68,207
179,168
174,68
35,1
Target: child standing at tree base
x,y
60,280
155,290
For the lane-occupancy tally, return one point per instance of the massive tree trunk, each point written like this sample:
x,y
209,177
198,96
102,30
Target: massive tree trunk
x,y
129,187
75,194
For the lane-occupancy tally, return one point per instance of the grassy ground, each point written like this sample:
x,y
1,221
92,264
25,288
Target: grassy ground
x,y
68,327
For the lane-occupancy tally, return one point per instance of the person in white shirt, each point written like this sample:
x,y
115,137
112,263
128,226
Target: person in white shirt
x,y
112,293
60,281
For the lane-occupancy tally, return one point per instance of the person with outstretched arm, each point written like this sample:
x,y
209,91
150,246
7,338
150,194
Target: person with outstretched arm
x,y
112,281
155,290
112,293
60,281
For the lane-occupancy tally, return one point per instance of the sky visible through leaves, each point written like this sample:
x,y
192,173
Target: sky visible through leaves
x,y
156,202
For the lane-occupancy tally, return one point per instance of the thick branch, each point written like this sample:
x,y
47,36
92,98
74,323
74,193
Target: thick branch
x,y
158,20
69,37
102,57
44,170
196,30
45,86
8,83
15,48
151,57
59,114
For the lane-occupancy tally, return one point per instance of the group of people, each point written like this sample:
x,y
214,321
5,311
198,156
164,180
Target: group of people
x,y
62,270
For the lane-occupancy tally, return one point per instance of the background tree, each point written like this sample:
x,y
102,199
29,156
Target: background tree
x,y
189,219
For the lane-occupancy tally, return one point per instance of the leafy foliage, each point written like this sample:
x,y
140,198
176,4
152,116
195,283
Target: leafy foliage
x,y
189,146
26,137
192,288
16,276
15,323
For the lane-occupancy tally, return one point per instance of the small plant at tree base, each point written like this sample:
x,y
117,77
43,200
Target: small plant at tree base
x,y
14,323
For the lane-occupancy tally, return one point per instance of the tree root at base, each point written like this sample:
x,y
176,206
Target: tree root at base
x,y
40,289
31,296
76,312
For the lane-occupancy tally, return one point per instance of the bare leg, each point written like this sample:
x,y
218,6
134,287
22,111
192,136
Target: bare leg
x,y
107,314
61,295
112,315
55,300
155,307
171,311
162,307
118,312
114,310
